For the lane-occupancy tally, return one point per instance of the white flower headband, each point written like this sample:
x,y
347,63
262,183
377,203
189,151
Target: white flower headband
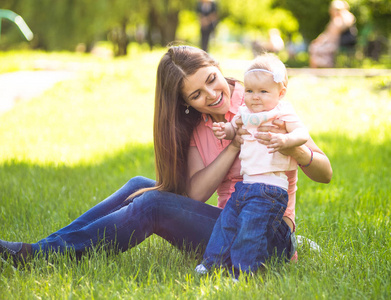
x,y
278,76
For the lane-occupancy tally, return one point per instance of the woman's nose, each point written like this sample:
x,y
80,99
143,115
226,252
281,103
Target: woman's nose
x,y
211,94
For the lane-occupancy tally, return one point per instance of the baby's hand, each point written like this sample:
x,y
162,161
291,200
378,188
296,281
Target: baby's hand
x,y
277,142
218,130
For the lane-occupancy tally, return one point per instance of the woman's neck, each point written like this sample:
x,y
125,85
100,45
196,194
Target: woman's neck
x,y
218,118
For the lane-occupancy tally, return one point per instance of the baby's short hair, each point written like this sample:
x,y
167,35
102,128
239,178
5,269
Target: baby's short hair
x,y
271,63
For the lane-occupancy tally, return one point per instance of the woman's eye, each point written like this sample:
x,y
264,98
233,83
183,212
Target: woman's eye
x,y
213,77
195,96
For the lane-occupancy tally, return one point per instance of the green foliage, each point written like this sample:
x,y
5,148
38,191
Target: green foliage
x,y
59,25
62,25
372,16
380,15
312,16
258,15
188,28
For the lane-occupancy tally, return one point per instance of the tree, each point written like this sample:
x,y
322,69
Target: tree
x,y
251,20
380,14
257,14
163,18
122,15
311,15
59,25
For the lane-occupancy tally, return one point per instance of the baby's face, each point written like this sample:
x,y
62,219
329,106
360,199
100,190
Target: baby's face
x,y
261,92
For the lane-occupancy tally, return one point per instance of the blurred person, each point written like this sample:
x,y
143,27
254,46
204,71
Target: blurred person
x,y
246,228
323,49
274,44
207,14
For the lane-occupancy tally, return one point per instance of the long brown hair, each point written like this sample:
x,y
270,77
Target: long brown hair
x,y
173,128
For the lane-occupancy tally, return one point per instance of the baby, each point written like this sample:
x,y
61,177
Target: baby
x,y
252,215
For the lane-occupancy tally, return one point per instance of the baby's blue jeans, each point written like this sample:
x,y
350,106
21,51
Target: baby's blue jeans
x,y
250,229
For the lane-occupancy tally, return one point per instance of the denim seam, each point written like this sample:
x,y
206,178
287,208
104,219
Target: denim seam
x,y
111,231
86,224
107,232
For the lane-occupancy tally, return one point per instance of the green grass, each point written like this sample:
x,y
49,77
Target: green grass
x,y
67,149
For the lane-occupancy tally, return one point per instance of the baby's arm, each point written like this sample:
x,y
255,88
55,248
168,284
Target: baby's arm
x,y
224,130
297,135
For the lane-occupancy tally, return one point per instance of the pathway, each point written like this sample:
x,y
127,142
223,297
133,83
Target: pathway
x,y
24,85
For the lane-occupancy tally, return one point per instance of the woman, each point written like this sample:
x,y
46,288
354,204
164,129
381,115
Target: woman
x,y
324,48
190,165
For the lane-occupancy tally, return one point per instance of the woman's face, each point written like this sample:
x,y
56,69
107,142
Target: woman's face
x,y
208,92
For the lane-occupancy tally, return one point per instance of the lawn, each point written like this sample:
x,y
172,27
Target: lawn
x,y
67,149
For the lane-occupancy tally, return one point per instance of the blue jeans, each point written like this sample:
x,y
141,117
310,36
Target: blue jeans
x,y
120,225
184,222
250,229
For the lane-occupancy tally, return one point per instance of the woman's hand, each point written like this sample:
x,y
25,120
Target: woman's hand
x,y
266,133
238,140
320,168
219,130
278,142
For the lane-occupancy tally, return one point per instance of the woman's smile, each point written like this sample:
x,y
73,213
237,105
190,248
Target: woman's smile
x,y
218,101
208,92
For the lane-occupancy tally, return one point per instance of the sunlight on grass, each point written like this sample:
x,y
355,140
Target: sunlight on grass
x,y
71,147
354,106
106,106
109,104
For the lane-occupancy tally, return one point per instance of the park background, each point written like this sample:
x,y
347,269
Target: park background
x,y
82,25
65,148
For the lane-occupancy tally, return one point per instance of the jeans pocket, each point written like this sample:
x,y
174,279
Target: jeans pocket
x,y
276,224
281,243
275,194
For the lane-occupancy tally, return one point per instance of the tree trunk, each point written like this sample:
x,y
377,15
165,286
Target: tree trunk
x,y
152,31
123,40
169,27
161,27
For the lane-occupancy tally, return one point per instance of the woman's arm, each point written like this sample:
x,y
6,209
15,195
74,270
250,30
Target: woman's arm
x,y
320,168
203,181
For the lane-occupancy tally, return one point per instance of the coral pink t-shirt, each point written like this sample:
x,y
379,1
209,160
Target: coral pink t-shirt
x,y
210,147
